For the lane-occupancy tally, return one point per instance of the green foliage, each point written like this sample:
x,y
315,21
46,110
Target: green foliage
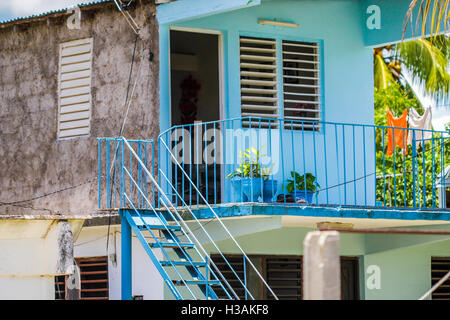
x,y
298,182
426,60
399,189
397,99
428,64
250,167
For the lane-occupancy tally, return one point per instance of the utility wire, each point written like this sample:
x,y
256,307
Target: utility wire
x,y
134,26
128,100
47,194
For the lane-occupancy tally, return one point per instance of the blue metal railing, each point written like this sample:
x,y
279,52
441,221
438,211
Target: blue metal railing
x,y
113,183
341,164
127,180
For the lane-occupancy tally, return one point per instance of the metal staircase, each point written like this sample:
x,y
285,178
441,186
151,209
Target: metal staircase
x,y
127,183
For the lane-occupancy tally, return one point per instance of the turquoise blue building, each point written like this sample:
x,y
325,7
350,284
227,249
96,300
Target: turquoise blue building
x,y
266,133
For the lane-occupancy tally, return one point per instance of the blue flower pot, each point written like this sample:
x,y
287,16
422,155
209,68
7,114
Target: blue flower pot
x,y
269,190
252,188
239,196
302,195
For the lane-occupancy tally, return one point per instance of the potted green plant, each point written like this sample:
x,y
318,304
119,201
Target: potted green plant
x,y
247,176
302,186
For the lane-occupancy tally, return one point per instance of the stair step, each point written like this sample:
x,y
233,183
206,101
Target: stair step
x,y
159,227
196,282
153,222
183,263
172,245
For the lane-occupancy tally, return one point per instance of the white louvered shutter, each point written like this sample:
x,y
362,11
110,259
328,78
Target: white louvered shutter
x,y
301,84
258,67
74,88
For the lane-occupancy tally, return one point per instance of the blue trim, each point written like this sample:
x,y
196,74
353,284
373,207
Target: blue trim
x,y
126,257
183,10
281,209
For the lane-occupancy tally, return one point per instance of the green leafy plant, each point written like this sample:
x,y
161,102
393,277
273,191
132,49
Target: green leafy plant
x,y
298,182
250,166
266,172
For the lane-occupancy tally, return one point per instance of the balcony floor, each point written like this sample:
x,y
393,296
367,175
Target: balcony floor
x,y
369,216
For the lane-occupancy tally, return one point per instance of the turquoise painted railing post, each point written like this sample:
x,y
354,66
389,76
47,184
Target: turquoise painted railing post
x,y
245,278
414,167
126,259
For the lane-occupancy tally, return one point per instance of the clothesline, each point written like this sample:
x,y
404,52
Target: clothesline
x,y
420,126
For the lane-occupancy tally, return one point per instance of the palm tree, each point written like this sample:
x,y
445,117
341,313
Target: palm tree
x,y
426,60
430,13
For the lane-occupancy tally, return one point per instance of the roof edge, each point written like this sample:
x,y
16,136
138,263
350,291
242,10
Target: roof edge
x,y
39,16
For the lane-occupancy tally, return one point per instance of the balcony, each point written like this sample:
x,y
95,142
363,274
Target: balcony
x,y
252,165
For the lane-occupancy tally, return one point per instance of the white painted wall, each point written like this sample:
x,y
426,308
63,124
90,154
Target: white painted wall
x,y
29,255
27,288
146,279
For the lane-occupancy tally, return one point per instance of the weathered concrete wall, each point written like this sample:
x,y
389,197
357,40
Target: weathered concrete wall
x,y
32,161
32,253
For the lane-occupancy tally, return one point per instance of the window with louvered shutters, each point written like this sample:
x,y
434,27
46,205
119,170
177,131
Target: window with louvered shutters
x,y
301,93
60,287
258,62
299,88
284,277
237,263
439,268
94,279
74,88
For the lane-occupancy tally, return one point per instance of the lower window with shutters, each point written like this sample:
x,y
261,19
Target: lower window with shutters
x,y
237,268
283,273
284,276
60,288
439,268
94,280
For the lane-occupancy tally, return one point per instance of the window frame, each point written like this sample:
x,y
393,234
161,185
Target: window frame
x,y
87,41
280,83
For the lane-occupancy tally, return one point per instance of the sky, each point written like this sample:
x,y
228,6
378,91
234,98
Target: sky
x,y
19,8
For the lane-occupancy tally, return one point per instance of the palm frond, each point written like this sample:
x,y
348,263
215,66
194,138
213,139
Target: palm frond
x,y
428,66
382,75
430,13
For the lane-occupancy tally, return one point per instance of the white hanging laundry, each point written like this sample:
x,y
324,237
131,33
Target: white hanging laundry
x,y
419,122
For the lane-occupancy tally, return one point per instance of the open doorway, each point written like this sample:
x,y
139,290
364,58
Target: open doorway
x,y
196,96
195,79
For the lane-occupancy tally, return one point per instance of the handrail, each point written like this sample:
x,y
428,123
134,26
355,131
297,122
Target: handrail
x,y
435,287
219,220
167,201
209,237
347,159
295,121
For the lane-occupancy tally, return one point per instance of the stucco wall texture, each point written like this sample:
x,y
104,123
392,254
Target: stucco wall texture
x,y
33,162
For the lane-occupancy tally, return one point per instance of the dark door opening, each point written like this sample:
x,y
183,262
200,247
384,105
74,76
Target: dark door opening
x,y
195,92
195,97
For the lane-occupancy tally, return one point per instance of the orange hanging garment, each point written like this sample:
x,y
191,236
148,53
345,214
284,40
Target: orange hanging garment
x,y
397,137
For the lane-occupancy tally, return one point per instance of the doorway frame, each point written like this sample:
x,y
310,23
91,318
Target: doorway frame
x,y
222,80
221,62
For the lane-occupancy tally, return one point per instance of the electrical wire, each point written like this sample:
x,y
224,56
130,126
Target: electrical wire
x,y
128,100
129,19
47,194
